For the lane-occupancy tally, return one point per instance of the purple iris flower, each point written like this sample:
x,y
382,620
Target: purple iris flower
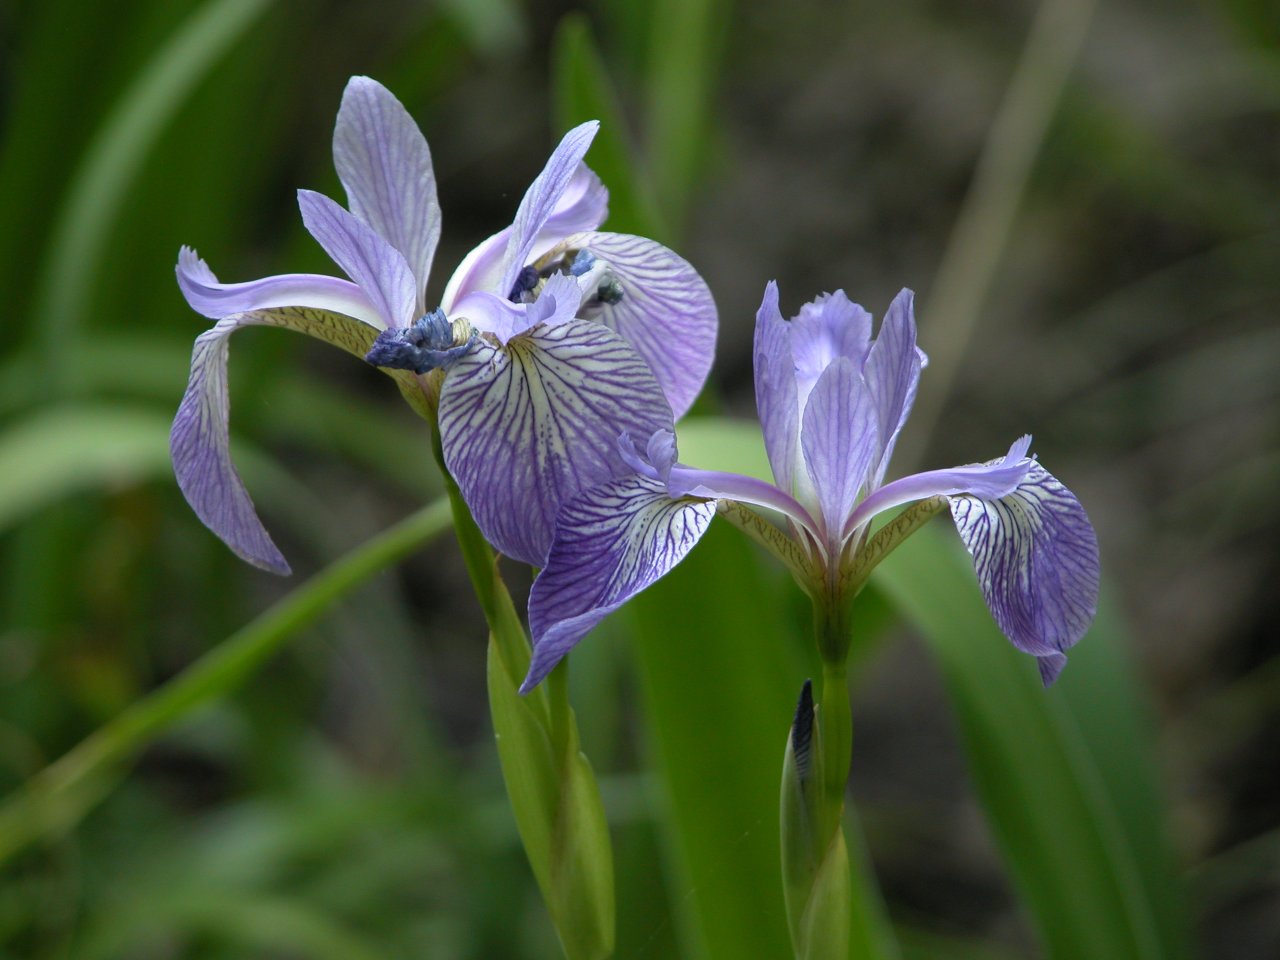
x,y
832,401
555,336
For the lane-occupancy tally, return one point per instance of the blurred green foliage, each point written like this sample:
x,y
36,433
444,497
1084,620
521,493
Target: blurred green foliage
x,y
345,801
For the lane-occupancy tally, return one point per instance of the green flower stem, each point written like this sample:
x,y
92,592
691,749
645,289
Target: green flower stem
x,y
57,798
553,791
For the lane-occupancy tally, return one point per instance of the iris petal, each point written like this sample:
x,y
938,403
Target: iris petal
x,y
666,312
776,399
892,372
385,166
368,259
199,441
200,446
529,425
216,300
611,542
991,480
840,440
542,199
1036,557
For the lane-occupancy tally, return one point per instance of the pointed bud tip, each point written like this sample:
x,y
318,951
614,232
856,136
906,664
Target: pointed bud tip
x,y
802,731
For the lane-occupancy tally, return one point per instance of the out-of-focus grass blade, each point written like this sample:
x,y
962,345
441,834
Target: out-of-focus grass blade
x,y
100,185
1064,774
583,90
684,55
55,453
55,799
719,689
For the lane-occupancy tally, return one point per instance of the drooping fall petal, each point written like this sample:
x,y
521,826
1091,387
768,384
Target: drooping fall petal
x,y
611,542
1036,557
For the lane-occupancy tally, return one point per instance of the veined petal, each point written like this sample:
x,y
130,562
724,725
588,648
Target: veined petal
x,y
991,481
199,444
610,543
490,313
840,438
216,300
542,198
583,206
529,425
385,166
893,373
685,481
829,327
199,440
368,259
776,398
666,312
1036,557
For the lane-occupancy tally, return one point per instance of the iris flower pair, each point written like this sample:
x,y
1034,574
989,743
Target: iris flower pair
x,y
557,361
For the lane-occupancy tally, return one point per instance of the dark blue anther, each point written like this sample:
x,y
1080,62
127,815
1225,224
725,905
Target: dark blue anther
x,y
609,292
423,346
583,262
526,280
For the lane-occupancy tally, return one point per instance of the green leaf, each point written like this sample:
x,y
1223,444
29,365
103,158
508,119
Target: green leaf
x,y
1064,774
583,90
684,56
101,184
59,796
66,450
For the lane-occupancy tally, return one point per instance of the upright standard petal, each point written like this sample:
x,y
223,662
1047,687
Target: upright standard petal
x,y
384,164
199,444
368,259
827,328
666,311
583,206
529,425
892,372
610,543
840,439
1036,557
215,300
542,198
776,398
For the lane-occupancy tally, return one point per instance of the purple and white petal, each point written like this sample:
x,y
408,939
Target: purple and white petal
x,y
892,372
991,481
378,267
542,199
718,485
200,446
829,327
776,399
529,425
480,270
1036,557
489,313
610,543
384,164
216,300
840,439
666,311
583,206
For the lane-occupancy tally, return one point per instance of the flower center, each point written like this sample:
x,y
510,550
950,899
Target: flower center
x,y
430,342
576,263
